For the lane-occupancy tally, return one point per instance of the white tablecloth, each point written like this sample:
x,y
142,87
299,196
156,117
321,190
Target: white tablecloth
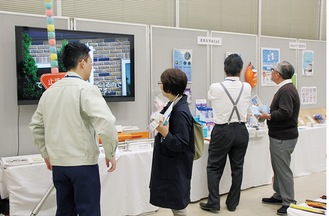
x,y
3,190
26,184
257,169
308,157
310,152
126,192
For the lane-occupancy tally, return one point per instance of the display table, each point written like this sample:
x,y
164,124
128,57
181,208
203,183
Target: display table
x,y
126,190
310,151
3,190
308,157
257,170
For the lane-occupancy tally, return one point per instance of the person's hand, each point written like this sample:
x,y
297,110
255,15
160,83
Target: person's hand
x,y
264,115
113,163
163,129
48,163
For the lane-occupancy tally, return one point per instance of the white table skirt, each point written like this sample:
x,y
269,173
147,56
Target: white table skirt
x,y
308,157
3,189
26,185
310,152
126,192
257,170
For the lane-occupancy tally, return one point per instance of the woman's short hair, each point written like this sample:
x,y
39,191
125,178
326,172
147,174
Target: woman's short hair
x,y
174,81
233,64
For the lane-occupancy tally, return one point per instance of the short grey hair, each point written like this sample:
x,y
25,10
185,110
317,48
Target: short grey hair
x,y
285,69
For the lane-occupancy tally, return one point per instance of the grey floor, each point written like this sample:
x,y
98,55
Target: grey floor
x,y
306,187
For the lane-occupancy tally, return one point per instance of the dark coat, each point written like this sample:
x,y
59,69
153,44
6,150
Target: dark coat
x,y
172,162
284,113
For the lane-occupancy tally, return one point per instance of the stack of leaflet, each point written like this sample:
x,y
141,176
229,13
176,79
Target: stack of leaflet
x,y
318,206
204,115
256,108
21,160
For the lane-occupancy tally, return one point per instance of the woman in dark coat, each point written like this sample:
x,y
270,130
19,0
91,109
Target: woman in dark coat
x,y
173,152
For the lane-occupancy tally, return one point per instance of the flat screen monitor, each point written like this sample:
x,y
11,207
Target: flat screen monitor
x,y
112,54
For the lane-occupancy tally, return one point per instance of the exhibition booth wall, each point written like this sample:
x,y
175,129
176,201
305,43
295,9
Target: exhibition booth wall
x,y
154,46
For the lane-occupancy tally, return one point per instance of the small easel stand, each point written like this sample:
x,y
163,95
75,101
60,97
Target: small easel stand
x,y
43,199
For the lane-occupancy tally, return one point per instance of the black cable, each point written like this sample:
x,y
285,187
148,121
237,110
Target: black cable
x,y
18,115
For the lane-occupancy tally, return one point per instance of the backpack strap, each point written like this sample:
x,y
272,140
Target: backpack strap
x,y
235,108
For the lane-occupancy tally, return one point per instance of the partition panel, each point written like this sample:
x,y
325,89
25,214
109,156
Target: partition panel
x,y
163,41
242,44
154,47
16,138
319,72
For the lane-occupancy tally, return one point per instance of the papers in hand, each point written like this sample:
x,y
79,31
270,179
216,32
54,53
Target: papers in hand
x,y
255,100
157,117
257,107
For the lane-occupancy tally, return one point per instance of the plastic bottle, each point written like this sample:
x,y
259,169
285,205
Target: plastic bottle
x,y
204,128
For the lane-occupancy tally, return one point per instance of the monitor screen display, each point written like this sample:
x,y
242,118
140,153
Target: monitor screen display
x,y
112,54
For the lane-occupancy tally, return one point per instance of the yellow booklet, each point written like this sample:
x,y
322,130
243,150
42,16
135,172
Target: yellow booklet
x,y
309,209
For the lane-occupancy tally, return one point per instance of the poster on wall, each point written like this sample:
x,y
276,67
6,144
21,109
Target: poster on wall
x,y
308,95
270,58
182,59
308,62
